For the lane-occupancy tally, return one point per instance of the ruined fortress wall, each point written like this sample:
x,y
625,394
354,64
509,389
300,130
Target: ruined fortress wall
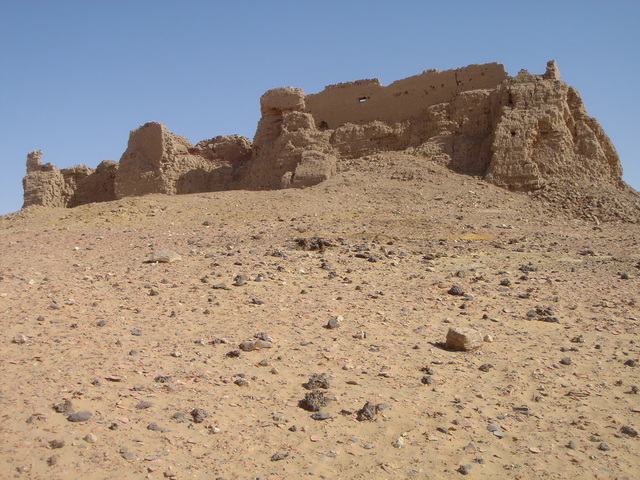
x,y
364,101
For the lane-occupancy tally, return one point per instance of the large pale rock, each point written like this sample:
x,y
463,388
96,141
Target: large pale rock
x,y
463,339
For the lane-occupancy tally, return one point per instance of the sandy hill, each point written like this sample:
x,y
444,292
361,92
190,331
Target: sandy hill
x,y
303,333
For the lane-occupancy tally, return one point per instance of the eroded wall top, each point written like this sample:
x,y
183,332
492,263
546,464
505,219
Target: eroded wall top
x,y
364,101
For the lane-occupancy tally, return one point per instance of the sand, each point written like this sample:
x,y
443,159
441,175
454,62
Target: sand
x,y
155,353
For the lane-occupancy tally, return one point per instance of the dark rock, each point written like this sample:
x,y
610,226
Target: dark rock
x,y
144,405
565,361
456,290
627,430
313,243
320,416
317,380
57,444
279,456
65,406
314,401
199,415
240,280
367,412
334,322
81,416
162,379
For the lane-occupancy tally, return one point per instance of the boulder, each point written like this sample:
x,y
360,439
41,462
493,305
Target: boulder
x,y
463,339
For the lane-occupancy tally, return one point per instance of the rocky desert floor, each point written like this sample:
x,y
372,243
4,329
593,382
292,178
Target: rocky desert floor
x,y
210,366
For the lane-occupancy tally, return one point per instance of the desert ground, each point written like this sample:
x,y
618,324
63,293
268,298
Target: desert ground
x,y
210,366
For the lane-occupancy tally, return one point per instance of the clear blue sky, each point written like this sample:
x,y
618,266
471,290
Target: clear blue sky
x,y
77,76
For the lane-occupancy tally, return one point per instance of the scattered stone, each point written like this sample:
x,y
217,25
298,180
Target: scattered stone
x,y
398,442
456,290
361,335
631,363
199,415
367,412
144,405
65,406
527,268
505,282
90,438
334,322
428,370
241,382
279,456
485,367
543,315
163,256
604,447
320,416
136,332
313,243
53,460
630,431
565,361
233,354
317,380
463,339
463,469
162,379
314,400
577,339
426,380
19,339
81,416
240,280
250,346
153,426
54,444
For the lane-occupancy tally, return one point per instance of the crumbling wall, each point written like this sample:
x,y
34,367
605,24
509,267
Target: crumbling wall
x,y
542,133
365,101
158,161
523,133
288,149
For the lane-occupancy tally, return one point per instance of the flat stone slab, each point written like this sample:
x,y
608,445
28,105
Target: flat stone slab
x,y
163,256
